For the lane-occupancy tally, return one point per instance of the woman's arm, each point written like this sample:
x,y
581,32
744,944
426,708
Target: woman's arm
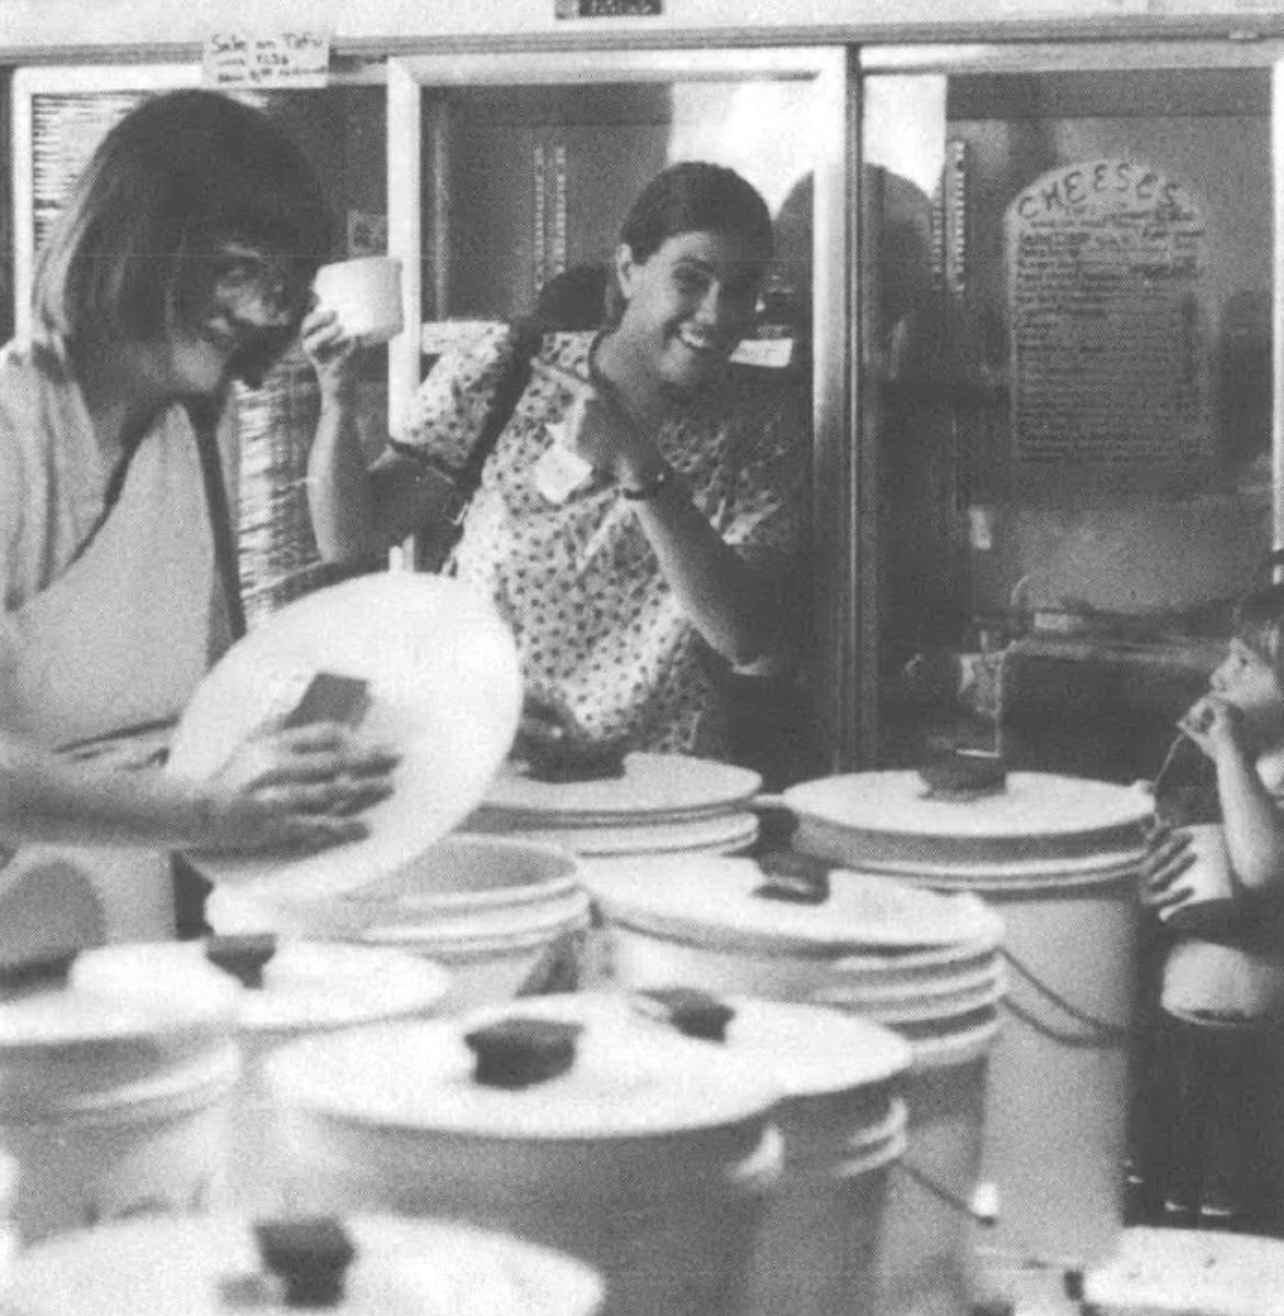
x,y
297,789
737,603
737,598
359,512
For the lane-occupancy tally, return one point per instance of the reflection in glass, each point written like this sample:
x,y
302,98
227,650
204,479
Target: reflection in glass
x,y
1069,325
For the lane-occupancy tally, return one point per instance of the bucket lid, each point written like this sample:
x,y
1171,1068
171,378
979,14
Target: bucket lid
x,y
213,1265
808,1049
620,1083
444,689
653,787
1181,1270
294,985
889,819
717,901
59,1014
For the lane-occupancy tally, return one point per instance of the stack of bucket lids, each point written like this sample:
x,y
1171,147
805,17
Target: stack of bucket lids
x,y
895,954
365,1265
658,804
839,1075
1040,829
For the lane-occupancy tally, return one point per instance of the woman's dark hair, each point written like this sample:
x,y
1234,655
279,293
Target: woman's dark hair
x,y
698,197
1259,624
180,174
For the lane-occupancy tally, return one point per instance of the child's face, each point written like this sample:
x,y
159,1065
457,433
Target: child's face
x,y
1247,680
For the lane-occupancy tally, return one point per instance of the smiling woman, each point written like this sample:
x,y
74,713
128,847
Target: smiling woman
x,y
181,262
638,523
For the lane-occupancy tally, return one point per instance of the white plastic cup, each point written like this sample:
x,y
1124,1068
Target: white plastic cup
x,y
365,294
1208,885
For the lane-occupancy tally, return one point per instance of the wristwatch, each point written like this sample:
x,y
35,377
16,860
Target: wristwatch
x,y
650,487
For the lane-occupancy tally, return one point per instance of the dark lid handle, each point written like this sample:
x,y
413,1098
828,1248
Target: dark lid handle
x,y
518,1052
244,956
798,878
693,1012
48,969
311,1255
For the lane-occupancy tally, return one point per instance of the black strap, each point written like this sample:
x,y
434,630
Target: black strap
x,y
503,402
525,343
204,418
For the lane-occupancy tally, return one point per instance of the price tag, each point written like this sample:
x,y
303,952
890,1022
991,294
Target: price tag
x,y
238,58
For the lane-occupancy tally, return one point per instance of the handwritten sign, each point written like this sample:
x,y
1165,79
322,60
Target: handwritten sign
x,y
236,58
1106,263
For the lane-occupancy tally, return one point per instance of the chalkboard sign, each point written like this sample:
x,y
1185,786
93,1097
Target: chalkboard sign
x,y
1106,265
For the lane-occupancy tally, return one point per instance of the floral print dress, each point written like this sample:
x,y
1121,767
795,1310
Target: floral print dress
x,y
597,625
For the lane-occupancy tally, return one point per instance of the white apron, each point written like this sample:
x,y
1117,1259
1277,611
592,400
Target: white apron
x,y
121,638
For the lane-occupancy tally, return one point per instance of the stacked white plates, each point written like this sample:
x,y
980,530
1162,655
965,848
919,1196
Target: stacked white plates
x,y
661,804
217,1264
643,1154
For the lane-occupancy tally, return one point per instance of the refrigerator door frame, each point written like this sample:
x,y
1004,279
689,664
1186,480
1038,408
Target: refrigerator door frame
x,y
827,69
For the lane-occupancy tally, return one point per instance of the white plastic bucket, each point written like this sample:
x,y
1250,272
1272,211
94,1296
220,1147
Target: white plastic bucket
x,y
154,1148
704,922
113,1104
647,1160
1059,1072
1057,858
820,1243
491,911
842,1126
305,987
927,1259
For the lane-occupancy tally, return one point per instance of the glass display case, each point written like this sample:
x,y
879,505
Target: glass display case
x,y
1067,346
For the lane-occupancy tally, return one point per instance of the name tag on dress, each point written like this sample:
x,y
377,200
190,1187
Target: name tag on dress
x,y
560,471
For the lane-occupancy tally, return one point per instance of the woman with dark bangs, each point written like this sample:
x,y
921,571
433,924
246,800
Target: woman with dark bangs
x,y
638,520
182,262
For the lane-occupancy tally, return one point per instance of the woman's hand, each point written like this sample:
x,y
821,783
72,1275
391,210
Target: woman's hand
x,y
333,354
1168,855
297,790
609,441
555,748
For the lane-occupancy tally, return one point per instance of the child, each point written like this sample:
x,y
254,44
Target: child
x,y
1239,728
1209,1138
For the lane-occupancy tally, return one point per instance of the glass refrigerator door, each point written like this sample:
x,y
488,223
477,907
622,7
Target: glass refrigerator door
x,y
1068,390
509,176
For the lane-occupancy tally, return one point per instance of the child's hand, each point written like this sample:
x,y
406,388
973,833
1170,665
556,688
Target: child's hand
x,y
333,354
1214,725
1168,856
